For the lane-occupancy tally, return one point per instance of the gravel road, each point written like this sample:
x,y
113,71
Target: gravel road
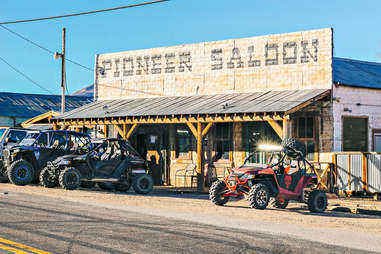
x,y
335,228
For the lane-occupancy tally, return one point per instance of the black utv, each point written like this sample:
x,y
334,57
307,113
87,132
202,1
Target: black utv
x,y
112,164
9,137
25,161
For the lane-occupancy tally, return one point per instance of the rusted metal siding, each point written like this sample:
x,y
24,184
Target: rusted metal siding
x,y
350,172
374,172
356,172
342,171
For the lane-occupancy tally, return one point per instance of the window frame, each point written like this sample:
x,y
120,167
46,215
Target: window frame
x,y
228,139
374,132
367,130
185,155
315,135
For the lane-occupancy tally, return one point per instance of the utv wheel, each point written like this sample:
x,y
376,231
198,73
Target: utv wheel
x,y
142,184
317,201
47,179
21,172
216,191
106,185
282,204
70,178
259,196
87,184
3,175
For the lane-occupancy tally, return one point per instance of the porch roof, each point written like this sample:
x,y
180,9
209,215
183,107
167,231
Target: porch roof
x,y
282,102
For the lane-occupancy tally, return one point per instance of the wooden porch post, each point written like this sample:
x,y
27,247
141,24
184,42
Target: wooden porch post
x,y
199,134
199,169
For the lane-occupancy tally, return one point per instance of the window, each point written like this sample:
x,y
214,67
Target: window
x,y
377,140
223,140
306,134
183,141
355,134
77,142
43,140
2,130
16,136
58,140
255,133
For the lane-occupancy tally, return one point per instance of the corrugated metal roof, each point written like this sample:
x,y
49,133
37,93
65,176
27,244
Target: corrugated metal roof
x,y
272,101
357,73
30,105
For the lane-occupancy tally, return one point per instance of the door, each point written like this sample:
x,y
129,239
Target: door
x,y
105,159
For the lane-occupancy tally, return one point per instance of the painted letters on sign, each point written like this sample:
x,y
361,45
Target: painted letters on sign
x,y
156,64
301,60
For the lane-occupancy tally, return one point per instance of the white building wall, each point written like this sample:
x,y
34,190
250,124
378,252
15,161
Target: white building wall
x,y
345,97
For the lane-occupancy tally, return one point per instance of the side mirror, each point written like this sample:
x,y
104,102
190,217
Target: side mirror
x,y
6,141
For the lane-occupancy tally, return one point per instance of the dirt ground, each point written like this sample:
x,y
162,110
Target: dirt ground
x,y
295,214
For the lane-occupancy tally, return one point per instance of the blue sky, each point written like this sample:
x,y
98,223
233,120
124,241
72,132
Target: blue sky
x,y
357,31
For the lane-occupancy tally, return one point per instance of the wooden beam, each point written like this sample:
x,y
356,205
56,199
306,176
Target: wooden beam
x,y
199,170
277,128
206,129
192,128
105,130
131,130
285,126
120,131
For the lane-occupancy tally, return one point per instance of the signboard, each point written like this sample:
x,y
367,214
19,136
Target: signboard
x,y
301,60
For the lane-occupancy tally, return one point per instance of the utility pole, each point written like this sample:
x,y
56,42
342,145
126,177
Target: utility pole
x,y
63,74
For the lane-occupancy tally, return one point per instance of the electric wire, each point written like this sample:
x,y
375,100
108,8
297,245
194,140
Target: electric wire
x,y
82,13
25,76
44,48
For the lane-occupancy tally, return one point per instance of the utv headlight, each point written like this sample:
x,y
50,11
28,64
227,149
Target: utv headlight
x,y
247,177
62,163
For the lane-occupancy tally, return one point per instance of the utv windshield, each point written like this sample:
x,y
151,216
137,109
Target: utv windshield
x,y
2,130
29,139
261,159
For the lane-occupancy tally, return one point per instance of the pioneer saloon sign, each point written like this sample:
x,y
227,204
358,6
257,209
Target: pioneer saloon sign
x,y
274,62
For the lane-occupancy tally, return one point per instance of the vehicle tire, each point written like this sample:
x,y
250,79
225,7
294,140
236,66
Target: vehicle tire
x,y
276,203
106,185
21,172
87,184
142,184
47,179
215,193
317,201
259,196
3,175
70,178
294,144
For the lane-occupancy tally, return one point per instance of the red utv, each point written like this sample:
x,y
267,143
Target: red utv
x,y
285,177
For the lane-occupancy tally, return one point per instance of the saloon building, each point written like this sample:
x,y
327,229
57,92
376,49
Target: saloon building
x,y
195,111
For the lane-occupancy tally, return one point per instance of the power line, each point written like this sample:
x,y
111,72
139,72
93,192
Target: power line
x,y
129,89
24,75
82,13
43,48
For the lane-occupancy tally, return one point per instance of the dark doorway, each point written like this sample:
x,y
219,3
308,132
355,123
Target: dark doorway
x,y
141,145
